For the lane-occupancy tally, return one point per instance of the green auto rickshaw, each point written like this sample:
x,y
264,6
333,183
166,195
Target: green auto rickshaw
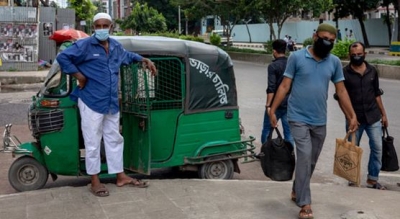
x,y
187,117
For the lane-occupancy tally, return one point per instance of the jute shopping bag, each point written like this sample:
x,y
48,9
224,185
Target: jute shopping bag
x,y
347,162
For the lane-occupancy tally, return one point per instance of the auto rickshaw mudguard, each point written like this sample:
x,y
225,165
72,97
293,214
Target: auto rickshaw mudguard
x,y
214,147
30,149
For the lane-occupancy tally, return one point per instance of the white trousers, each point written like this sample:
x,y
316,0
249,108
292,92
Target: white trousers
x,y
94,126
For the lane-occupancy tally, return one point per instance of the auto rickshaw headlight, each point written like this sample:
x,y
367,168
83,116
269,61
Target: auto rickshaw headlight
x,y
50,103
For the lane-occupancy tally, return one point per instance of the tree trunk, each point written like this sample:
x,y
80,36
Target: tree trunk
x,y
364,33
186,26
388,23
248,31
271,31
398,21
279,30
321,18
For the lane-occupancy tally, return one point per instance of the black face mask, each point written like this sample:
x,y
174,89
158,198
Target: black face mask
x,y
357,60
322,47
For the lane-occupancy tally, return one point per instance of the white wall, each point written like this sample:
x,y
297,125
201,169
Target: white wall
x,y
375,28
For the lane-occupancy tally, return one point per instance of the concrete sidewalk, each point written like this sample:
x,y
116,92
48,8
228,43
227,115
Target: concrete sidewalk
x,y
187,199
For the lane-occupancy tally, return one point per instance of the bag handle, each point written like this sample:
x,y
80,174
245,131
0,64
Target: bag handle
x,y
353,137
385,131
277,132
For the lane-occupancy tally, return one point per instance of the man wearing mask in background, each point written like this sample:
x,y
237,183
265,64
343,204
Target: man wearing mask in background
x,y
308,72
362,84
95,63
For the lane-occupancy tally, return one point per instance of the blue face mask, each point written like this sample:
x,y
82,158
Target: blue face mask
x,y
102,34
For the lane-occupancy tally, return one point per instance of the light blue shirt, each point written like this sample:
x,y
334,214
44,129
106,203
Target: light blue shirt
x,y
307,102
101,70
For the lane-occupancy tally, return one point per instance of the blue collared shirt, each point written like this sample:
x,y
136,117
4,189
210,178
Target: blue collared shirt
x,y
101,70
307,102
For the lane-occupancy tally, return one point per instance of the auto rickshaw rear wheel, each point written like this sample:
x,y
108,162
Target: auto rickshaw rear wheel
x,y
218,169
26,174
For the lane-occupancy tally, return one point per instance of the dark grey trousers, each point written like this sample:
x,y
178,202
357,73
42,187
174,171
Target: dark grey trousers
x,y
309,140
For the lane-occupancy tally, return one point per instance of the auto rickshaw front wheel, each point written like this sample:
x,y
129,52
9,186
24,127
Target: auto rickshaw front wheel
x,y
26,174
218,169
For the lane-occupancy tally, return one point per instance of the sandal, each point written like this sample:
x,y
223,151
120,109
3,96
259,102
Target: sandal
x,y
351,184
99,191
376,186
136,183
293,196
306,213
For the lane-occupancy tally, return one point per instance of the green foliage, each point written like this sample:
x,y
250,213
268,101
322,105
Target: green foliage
x,y
174,35
119,34
162,33
341,48
144,19
268,46
234,49
192,38
308,41
385,62
215,39
317,7
84,9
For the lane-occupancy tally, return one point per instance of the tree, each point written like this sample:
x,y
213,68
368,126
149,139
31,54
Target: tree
x,y
231,12
84,11
318,7
278,11
166,8
388,18
356,8
194,10
144,19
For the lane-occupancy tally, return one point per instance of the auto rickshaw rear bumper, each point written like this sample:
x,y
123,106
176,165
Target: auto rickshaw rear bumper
x,y
246,151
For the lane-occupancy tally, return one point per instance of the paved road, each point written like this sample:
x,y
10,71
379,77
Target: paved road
x,y
251,83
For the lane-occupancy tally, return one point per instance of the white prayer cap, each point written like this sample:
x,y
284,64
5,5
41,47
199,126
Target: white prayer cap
x,y
102,15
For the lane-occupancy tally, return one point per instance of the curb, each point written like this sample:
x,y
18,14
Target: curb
x,y
13,80
250,45
378,52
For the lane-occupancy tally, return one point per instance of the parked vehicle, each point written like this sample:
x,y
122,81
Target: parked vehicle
x,y
222,34
187,117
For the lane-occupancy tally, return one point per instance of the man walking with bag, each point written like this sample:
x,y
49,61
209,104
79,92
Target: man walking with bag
x,y
362,84
275,77
307,74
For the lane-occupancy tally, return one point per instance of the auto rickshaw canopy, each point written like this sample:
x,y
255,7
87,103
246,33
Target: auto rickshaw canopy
x,y
210,80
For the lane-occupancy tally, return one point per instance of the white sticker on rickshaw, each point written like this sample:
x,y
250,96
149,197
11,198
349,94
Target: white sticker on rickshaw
x,y
47,150
220,87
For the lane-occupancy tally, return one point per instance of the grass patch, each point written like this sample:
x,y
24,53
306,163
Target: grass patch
x,y
233,49
385,62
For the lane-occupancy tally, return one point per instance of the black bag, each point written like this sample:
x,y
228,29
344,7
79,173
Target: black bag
x,y
277,158
389,155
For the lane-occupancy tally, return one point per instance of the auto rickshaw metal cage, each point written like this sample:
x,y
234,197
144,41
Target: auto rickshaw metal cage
x,y
142,92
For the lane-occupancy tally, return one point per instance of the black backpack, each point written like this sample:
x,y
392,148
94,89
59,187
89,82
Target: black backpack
x,y
389,155
277,158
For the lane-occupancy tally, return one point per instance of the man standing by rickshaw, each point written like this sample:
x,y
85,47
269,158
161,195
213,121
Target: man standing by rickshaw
x,y
95,63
